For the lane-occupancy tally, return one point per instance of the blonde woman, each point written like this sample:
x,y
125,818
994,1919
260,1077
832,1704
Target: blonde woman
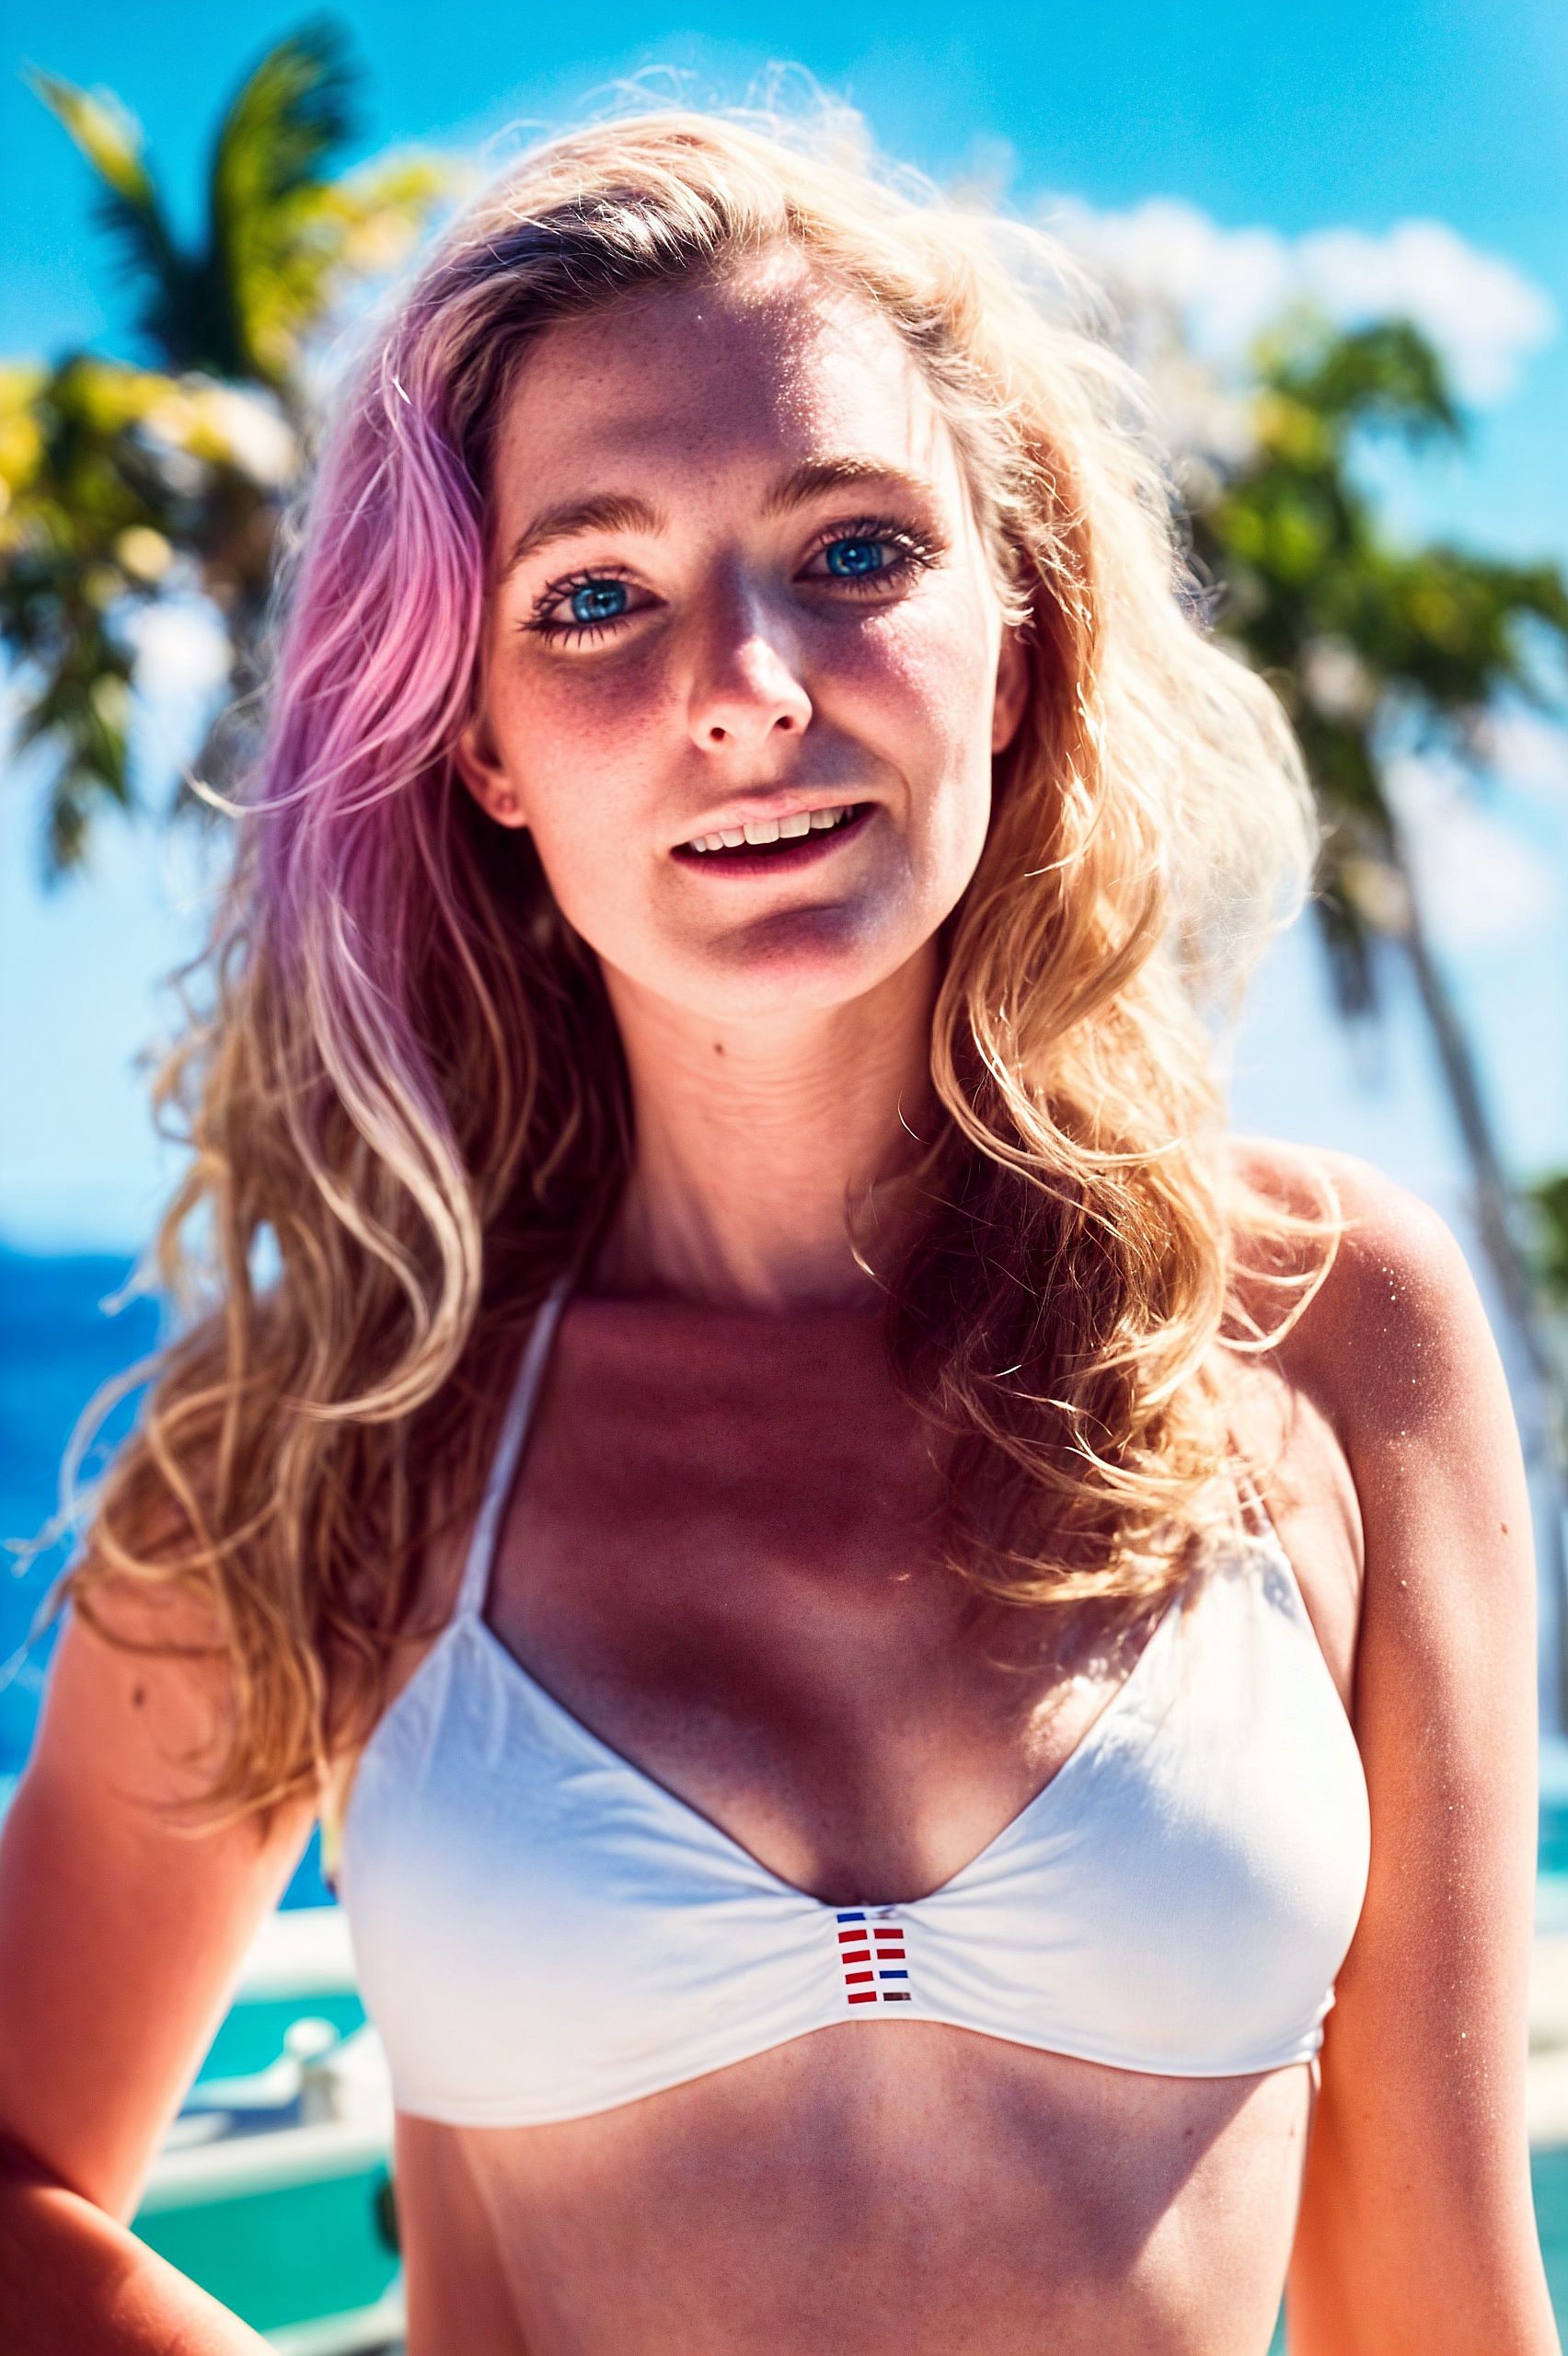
x,y
885,1621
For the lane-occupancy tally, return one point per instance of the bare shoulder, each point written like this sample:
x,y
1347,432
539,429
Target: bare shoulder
x,y
1395,1341
1398,1441
1383,1227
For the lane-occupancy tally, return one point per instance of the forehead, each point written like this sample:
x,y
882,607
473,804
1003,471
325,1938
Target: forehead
x,y
746,375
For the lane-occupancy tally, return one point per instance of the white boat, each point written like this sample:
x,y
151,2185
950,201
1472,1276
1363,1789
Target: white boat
x,y
273,2188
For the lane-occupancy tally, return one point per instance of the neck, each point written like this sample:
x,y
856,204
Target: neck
x,y
759,1141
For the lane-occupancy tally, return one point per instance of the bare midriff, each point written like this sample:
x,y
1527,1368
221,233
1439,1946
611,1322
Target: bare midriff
x,y
904,2186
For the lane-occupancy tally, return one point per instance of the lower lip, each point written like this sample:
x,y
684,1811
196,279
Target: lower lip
x,y
778,859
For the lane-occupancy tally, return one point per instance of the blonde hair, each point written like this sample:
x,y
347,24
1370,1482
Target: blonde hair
x,y
406,1071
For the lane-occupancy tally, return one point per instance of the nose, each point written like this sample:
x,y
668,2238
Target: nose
x,y
746,691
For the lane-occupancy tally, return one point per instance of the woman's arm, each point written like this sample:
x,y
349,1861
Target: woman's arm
x,y
72,2283
122,1931
1417,2230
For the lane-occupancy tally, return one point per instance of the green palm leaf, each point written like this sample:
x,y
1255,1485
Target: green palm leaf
x,y
128,205
273,250
119,485
1369,643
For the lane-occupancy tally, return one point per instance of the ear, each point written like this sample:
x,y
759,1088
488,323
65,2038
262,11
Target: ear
x,y
483,772
1012,691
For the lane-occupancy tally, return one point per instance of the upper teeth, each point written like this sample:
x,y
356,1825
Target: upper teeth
x,y
770,830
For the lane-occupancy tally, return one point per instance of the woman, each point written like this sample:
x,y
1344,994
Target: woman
x,y
788,1482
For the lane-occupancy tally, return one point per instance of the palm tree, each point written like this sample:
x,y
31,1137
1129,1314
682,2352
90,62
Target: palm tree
x,y
122,484
1374,647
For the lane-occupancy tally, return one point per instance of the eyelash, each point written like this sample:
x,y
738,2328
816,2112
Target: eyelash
x,y
540,624
915,552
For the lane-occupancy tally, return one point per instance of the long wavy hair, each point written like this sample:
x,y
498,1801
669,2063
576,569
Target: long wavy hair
x,y
404,1070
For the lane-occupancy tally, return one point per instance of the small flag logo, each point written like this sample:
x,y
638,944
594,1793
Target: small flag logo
x,y
872,1956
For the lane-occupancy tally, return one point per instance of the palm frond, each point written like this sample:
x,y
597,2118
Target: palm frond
x,y
107,134
81,707
291,271
290,116
1384,376
121,485
128,206
271,247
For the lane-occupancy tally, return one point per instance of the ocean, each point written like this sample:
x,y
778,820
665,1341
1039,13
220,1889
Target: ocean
x,y
58,1343
66,1327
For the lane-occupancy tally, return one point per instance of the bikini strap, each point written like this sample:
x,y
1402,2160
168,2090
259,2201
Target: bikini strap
x,y
508,1448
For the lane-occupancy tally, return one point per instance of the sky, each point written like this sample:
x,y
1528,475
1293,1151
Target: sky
x,y
1367,156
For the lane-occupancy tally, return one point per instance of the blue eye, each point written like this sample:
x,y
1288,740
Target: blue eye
x,y
852,560
599,601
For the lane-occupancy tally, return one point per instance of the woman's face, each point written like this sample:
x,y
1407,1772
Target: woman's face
x,y
745,666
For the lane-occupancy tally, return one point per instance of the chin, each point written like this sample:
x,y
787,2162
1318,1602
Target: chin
x,y
789,976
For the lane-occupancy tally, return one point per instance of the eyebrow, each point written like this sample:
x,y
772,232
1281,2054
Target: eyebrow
x,y
810,481
624,512
613,512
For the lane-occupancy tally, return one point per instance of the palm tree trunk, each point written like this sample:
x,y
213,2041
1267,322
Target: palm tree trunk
x,y
1492,1199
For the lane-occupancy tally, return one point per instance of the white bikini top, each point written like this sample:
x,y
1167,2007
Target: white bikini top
x,y
543,1932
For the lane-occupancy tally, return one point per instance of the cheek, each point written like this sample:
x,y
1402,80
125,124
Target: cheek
x,y
951,675
935,658
582,752
936,683
571,788
552,718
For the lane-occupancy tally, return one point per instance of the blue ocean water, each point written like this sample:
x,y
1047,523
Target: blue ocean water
x,y
66,1326
58,1343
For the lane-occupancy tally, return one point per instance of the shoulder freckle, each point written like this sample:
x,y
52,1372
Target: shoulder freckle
x,y
138,1695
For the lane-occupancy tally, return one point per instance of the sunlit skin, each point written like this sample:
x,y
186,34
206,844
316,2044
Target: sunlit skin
x,y
693,460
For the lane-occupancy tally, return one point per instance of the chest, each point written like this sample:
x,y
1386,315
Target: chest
x,y
718,1749
728,1563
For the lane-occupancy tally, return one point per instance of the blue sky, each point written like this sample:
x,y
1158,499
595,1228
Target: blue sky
x,y
1315,115
1299,122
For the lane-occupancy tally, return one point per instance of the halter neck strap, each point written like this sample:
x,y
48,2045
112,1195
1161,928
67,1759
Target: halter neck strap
x,y
508,1450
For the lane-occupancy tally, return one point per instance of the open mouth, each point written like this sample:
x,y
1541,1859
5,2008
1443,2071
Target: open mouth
x,y
764,841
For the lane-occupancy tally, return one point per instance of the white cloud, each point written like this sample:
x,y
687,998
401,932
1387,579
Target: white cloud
x,y
1482,313
1225,285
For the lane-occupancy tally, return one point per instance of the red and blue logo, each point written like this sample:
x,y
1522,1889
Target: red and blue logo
x,y
872,1956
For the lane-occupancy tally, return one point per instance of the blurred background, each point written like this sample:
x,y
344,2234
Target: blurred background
x,y
1337,240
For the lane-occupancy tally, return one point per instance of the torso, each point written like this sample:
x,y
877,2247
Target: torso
x,y
722,1558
